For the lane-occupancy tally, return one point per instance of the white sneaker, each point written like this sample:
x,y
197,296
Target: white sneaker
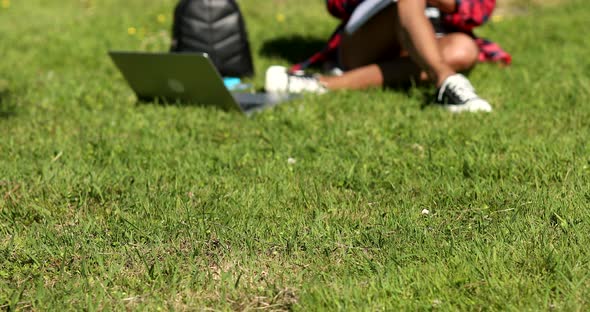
x,y
458,95
279,80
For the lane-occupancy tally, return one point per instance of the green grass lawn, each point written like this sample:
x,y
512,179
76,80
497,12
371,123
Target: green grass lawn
x,y
110,205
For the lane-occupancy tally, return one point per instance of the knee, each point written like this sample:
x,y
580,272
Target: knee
x,y
462,52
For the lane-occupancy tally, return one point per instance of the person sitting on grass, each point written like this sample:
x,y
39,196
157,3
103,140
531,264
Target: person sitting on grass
x,y
399,45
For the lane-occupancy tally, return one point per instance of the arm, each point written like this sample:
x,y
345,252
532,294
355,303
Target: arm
x,y
445,6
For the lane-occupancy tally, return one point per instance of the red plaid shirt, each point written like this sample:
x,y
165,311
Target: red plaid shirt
x,y
469,14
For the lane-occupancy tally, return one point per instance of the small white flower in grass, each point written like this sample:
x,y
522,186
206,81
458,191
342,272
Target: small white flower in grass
x,y
291,161
425,211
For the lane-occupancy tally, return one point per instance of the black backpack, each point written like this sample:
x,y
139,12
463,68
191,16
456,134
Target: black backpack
x,y
215,27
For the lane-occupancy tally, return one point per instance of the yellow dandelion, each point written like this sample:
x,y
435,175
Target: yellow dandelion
x,y
131,31
281,17
161,18
497,18
5,4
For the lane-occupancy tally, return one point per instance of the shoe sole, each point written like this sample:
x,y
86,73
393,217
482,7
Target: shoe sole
x,y
468,108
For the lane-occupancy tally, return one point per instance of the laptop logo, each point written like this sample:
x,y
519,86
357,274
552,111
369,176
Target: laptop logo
x,y
176,85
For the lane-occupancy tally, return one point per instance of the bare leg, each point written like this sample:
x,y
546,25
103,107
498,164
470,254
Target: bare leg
x,y
402,25
458,50
417,36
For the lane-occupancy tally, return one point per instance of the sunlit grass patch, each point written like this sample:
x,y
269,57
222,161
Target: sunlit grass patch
x,y
348,201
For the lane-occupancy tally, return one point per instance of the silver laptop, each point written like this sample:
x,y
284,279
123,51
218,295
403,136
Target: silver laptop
x,y
186,78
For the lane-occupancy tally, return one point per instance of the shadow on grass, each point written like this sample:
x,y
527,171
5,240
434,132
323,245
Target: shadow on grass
x,y
177,104
7,109
292,49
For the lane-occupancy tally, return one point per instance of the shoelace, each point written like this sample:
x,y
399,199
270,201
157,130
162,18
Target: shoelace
x,y
462,93
306,82
462,90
